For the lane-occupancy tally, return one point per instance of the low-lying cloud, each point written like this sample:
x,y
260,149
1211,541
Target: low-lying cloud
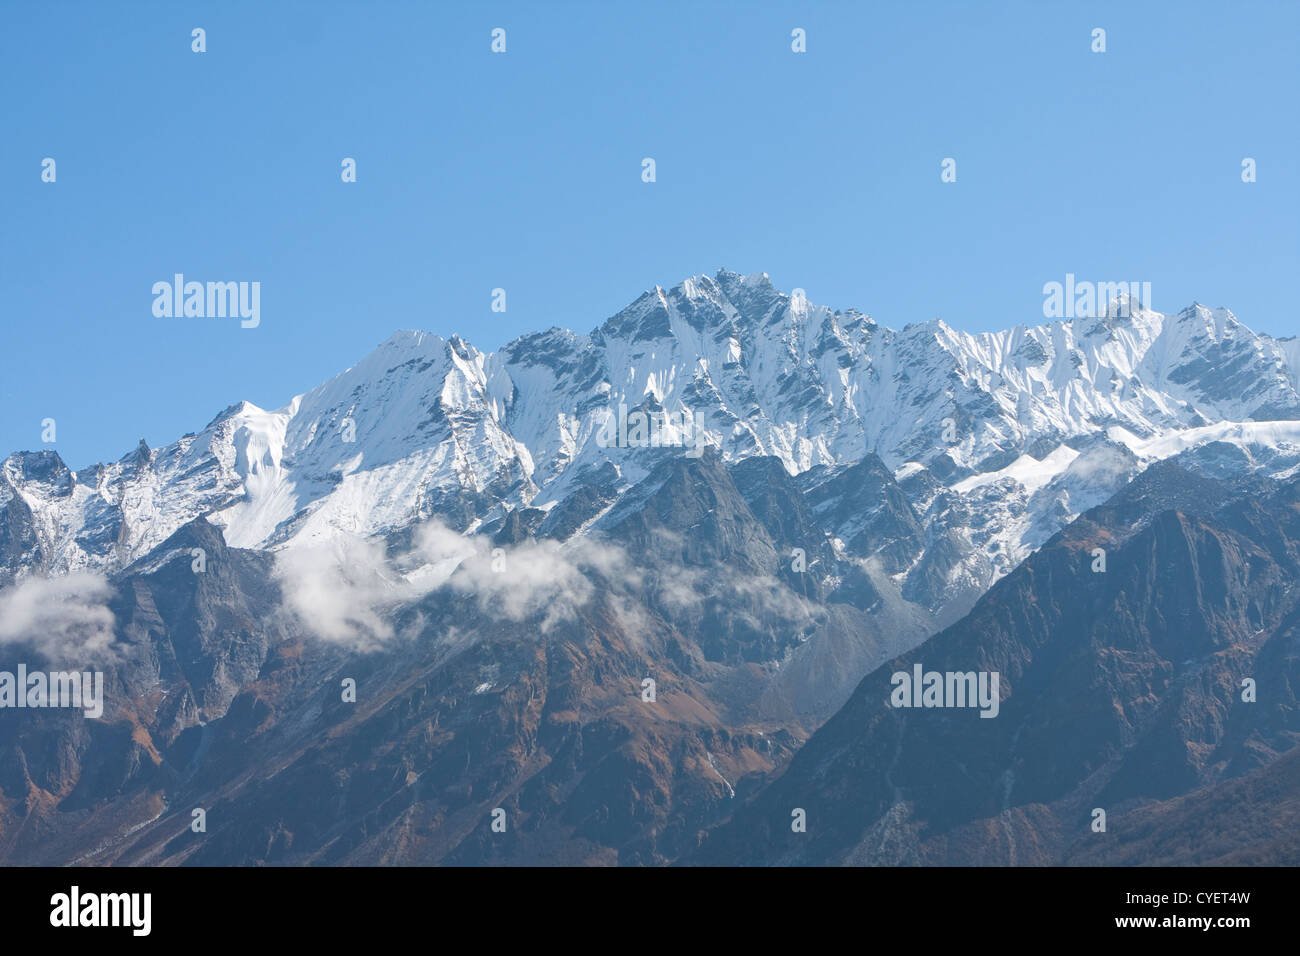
x,y
341,591
65,619
346,590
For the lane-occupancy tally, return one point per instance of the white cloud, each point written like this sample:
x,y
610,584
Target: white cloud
x,y
341,591
345,591
515,583
64,618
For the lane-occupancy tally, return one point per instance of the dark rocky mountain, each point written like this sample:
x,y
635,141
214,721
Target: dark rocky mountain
x,y
221,702
438,585
1120,690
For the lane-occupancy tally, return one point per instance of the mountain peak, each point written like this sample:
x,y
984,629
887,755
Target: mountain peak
x,y
430,425
408,339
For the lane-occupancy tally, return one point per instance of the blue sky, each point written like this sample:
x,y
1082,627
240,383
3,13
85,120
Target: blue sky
x,y
523,171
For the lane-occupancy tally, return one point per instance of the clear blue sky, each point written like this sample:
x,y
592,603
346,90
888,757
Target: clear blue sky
x,y
523,171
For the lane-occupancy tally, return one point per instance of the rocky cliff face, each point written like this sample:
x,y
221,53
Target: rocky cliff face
x,y
353,628
998,439
1165,680
224,704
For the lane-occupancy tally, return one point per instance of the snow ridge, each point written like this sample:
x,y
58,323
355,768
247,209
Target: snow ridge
x,y
427,426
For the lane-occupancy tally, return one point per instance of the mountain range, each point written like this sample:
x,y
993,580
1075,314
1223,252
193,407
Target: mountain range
x,y
653,651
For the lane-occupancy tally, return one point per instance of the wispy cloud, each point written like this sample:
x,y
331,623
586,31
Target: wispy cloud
x,y
65,619
515,583
342,591
346,591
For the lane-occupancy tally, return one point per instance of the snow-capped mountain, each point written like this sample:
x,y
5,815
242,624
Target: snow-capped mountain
x,y
996,440
861,493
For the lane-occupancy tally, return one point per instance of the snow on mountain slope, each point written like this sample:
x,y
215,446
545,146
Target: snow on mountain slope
x,y
408,433
1273,439
1028,472
997,438
766,374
